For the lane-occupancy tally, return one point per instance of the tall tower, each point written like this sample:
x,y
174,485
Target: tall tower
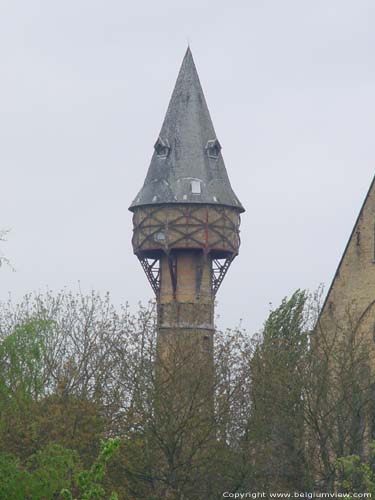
x,y
186,219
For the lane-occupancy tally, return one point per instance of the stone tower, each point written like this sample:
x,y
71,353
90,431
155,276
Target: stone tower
x,y
186,219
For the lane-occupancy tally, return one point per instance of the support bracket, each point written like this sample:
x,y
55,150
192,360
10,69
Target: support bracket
x,y
219,270
152,269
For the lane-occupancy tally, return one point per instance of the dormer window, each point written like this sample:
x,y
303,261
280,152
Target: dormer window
x,y
213,148
196,187
162,148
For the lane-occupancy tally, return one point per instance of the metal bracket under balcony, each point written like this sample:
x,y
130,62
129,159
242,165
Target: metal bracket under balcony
x,y
219,270
152,269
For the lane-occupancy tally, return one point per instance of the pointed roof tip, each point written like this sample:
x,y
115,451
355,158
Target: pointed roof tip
x,y
188,74
188,56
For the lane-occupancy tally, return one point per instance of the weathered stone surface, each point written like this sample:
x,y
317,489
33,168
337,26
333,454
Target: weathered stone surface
x,y
351,296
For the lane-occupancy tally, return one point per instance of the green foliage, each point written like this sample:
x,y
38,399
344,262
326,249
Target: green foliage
x,y
22,360
287,321
13,479
22,383
357,475
89,481
35,425
43,476
51,469
55,471
276,423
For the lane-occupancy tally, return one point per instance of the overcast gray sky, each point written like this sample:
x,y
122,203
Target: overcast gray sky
x,y
84,89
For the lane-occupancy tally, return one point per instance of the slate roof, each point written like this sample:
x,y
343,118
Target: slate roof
x,y
187,165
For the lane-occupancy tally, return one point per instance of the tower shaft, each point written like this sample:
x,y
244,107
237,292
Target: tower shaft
x,y
186,303
185,336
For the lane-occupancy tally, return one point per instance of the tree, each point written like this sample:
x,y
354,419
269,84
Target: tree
x,y
42,475
276,433
356,474
338,395
21,384
282,406
178,445
55,472
89,481
85,371
65,373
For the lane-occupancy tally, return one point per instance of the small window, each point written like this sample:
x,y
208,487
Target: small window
x,y
206,343
160,236
213,148
162,148
358,237
196,187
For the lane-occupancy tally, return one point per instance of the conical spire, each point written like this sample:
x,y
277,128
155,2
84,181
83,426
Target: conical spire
x,y
187,165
